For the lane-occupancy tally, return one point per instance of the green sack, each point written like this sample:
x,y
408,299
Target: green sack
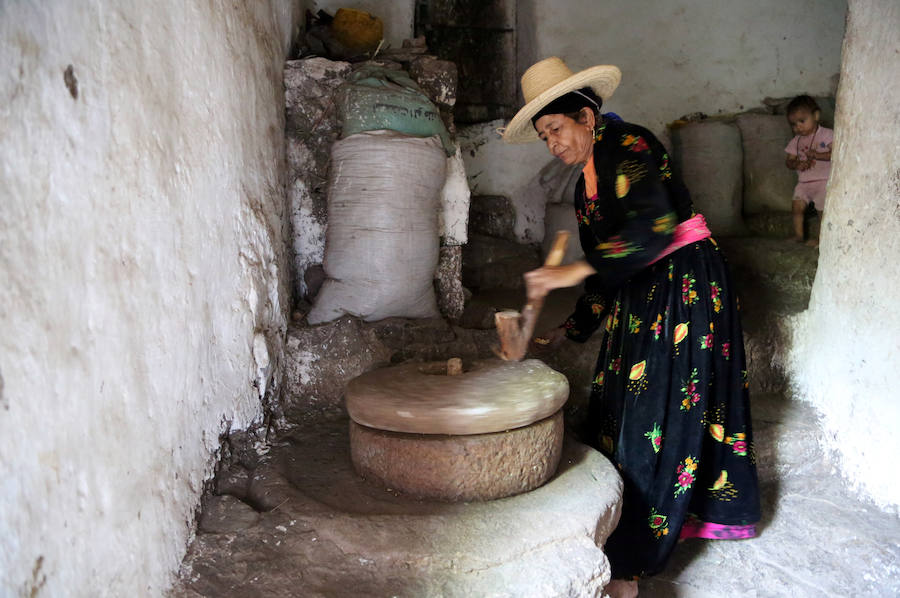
x,y
377,98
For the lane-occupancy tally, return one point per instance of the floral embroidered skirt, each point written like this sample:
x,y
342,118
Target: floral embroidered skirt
x,y
670,407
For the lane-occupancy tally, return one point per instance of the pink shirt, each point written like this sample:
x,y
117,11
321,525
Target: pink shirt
x,y
798,146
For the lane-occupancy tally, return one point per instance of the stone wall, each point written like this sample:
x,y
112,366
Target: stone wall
x,y
846,350
144,293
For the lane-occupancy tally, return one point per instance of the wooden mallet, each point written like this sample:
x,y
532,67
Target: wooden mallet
x,y
514,328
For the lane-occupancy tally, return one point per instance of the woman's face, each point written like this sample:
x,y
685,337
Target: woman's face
x,y
567,139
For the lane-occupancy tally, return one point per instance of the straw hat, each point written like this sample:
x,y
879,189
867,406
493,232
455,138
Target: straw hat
x,y
549,79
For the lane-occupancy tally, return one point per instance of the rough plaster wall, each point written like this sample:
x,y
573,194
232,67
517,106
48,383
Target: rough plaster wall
x,y
496,168
846,347
691,55
144,286
397,15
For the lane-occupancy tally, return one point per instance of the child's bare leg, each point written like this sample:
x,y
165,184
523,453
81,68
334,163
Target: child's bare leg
x,y
799,208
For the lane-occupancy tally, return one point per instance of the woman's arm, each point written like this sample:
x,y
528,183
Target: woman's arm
x,y
650,218
546,278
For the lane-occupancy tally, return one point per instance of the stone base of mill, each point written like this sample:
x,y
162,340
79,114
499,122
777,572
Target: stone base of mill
x,y
459,468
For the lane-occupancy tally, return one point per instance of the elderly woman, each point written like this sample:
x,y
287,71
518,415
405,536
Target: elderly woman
x,y
669,402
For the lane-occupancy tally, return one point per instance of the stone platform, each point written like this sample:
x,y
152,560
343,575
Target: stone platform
x,y
315,529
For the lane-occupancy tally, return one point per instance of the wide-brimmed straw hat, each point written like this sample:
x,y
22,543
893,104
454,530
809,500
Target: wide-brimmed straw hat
x,y
549,79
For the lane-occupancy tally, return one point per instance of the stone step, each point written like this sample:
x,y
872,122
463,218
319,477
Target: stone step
x,y
493,216
780,224
316,529
492,262
773,278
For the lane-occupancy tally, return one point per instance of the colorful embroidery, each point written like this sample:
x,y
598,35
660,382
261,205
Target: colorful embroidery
x,y
738,443
613,321
665,172
598,380
659,524
717,431
688,294
615,365
706,341
634,324
622,185
671,269
722,489
582,218
720,481
681,332
746,378
590,212
657,327
617,247
685,473
726,351
715,293
655,436
633,170
664,224
635,143
637,380
689,390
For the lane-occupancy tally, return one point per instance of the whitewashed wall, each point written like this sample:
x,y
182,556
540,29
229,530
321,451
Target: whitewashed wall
x,y
142,259
847,345
685,56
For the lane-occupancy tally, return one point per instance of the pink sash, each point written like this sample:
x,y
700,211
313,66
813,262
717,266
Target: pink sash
x,y
690,231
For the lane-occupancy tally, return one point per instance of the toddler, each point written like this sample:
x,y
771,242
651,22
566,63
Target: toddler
x,y
809,153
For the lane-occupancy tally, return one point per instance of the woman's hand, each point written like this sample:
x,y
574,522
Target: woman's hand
x,y
546,278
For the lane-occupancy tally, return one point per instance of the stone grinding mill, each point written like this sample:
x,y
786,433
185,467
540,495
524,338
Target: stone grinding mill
x,y
442,431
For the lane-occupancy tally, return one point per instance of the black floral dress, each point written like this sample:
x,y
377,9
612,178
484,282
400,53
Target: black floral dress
x,y
669,402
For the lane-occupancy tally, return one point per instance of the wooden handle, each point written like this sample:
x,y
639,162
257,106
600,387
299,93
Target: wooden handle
x,y
558,249
554,257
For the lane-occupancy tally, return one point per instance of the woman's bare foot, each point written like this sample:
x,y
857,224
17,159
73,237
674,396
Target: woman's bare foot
x,y
812,243
620,588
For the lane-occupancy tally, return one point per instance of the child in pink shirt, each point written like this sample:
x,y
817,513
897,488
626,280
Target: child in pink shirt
x,y
809,153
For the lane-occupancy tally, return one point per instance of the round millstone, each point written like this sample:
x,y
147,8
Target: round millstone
x,y
488,396
459,468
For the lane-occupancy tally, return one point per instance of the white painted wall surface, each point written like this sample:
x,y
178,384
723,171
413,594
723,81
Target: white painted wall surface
x,y
397,15
847,345
143,267
686,56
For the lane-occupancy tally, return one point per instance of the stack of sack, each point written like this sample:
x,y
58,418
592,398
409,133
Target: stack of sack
x,y
385,180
